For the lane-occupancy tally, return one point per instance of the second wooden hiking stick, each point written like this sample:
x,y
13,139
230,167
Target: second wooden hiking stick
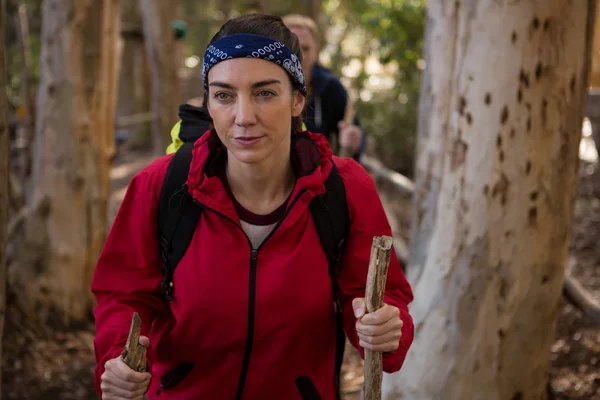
x,y
381,251
134,354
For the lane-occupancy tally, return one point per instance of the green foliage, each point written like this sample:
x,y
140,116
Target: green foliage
x,y
14,60
393,33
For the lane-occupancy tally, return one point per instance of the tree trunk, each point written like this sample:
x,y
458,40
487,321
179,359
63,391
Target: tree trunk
x,y
74,145
22,22
4,171
160,49
595,71
312,8
435,111
593,106
134,83
507,126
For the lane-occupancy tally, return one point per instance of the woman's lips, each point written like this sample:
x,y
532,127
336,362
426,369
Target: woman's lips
x,y
247,141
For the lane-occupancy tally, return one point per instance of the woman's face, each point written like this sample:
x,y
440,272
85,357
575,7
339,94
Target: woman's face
x,y
251,102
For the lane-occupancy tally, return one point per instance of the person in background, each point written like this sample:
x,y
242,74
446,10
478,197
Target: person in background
x,y
327,98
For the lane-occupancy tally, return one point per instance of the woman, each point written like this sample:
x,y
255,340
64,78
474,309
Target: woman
x,y
252,315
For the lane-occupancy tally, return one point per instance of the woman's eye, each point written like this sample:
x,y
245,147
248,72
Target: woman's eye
x,y
266,93
221,96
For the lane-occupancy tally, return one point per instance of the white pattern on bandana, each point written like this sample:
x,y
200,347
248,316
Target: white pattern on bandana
x,y
255,47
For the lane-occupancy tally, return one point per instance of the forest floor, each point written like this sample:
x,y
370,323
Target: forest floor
x,y
57,362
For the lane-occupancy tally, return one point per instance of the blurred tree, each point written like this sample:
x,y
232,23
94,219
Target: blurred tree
x,y
26,109
497,161
66,225
163,63
4,172
134,81
14,55
593,106
313,9
595,72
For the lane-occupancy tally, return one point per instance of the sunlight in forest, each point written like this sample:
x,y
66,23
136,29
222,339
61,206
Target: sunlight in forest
x,y
587,147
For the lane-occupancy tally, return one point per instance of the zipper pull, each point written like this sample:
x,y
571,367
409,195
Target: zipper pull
x,y
254,255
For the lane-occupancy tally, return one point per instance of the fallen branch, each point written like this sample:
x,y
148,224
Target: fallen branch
x,y
134,119
404,185
579,296
17,221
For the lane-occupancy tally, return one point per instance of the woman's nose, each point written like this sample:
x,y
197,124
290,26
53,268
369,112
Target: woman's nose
x,y
244,112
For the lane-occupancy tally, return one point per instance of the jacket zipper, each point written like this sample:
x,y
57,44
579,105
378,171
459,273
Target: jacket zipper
x,y
252,289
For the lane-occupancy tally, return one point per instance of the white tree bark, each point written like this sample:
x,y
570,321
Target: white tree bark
x,y
434,120
504,109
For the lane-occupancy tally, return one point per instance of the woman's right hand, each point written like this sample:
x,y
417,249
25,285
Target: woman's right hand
x,y
121,382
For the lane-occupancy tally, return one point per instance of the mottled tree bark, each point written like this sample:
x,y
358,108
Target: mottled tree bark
x,y
497,164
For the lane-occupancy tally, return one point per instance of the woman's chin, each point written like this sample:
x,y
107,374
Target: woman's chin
x,y
249,156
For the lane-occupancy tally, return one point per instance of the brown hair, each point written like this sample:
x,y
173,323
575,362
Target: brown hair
x,y
267,26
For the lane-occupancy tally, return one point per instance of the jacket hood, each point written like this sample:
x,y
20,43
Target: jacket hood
x,y
310,154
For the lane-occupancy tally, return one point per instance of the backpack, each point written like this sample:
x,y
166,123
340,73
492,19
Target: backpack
x,y
178,216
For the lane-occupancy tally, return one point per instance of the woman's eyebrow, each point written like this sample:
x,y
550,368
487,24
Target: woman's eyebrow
x,y
254,85
222,84
265,83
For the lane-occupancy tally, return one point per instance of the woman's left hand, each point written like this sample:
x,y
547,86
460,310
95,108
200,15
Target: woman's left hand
x,y
350,136
380,330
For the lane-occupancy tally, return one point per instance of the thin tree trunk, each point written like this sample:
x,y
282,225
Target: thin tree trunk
x,y
595,71
593,106
312,8
134,85
22,22
74,144
487,302
160,50
4,172
435,118
265,6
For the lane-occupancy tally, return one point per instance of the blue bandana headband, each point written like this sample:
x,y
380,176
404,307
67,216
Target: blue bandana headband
x,y
253,46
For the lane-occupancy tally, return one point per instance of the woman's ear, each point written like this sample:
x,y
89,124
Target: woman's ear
x,y
298,104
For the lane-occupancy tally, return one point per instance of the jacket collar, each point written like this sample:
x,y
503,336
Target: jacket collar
x,y
311,158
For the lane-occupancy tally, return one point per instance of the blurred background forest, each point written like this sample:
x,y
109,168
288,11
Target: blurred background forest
x,y
376,46
378,49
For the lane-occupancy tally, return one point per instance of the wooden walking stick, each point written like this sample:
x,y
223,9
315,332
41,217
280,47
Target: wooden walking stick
x,y
134,354
381,251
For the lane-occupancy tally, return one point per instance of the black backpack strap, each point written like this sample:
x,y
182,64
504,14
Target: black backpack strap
x,y
332,220
177,215
195,121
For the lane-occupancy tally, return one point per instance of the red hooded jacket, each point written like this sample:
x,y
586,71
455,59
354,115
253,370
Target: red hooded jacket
x,y
243,324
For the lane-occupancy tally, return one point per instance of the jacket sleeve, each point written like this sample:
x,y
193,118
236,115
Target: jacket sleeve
x,y
129,271
368,219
